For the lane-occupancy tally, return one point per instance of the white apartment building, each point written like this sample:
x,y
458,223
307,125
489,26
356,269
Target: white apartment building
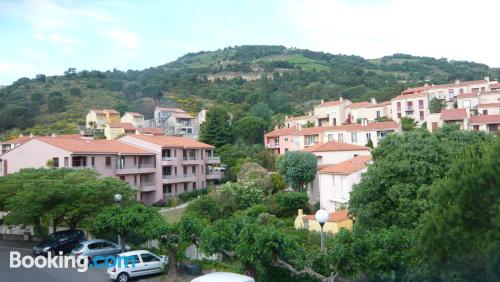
x,y
415,106
332,113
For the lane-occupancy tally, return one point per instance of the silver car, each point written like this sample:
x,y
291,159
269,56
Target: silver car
x,y
97,247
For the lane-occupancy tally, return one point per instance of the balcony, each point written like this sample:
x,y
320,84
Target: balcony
x,y
147,187
214,175
190,161
78,167
169,161
409,109
179,178
133,169
273,146
213,160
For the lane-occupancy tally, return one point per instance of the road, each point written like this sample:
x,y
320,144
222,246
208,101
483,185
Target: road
x,y
46,274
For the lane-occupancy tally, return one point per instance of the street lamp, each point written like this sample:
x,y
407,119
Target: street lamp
x,y
322,218
118,199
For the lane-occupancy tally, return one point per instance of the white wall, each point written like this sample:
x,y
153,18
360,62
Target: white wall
x,y
335,189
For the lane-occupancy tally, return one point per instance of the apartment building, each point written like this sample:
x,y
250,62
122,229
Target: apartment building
x,y
136,119
280,140
332,113
113,130
370,111
415,106
301,121
185,164
109,157
336,182
175,122
357,134
100,118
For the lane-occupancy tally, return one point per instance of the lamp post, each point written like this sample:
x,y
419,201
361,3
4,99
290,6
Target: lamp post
x,y
322,218
118,199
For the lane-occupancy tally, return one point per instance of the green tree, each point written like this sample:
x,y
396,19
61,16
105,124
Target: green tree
x,y
408,124
298,167
436,105
217,129
251,129
56,102
261,110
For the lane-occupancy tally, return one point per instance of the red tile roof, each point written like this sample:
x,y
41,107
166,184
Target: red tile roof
x,y
439,86
173,110
381,104
85,146
453,114
173,141
489,105
281,132
349,166
407,96
111,111
337,216
19,140
363,104
124,125
331,103
135,114
151,130
467,95
484,119
334,146
300,117
495,86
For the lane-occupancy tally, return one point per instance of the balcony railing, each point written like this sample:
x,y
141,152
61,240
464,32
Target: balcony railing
x,y
213,158
82,167
274,145
169,158
189,158
409,109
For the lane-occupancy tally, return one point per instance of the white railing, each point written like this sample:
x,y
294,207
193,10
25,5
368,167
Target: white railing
x,y
169,158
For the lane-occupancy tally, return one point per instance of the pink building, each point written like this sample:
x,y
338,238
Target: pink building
x,y
183,163
280,140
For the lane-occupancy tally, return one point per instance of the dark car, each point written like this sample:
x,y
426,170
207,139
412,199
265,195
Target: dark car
x,y
63,241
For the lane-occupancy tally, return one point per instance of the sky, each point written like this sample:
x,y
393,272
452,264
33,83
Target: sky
x,y
49,36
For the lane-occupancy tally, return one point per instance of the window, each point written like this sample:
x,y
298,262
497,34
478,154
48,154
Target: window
x,y
132,260
483,89
286,139
334,121
485,112
311,139
399,115
193,169
92,160
354,137
330,137
420,104
378,114
467,104
185,187
421,115
55,162
398,104
66,161
341,137
451,93
167,189
461,91
276,141
94,246
185,170
368,136
475,90
194,185
108,162
149,258
409,106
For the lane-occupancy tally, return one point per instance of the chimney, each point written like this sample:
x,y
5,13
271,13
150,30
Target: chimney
x,y
276,127
310,114
286,117
364,122
31,135
373,101
53,135
425,85
298,126
341,100
322,101
487,78
457,82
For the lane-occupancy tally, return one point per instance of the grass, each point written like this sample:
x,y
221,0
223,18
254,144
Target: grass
x,y
173,215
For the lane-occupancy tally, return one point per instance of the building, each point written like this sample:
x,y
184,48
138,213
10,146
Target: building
x,y
332,113
201,117
150,131
300,122
486,123
450,91
108,157
12,143
134,118
280,140
336,221
370,111
415,106
184,164
114,130
175,122
336,181
98,119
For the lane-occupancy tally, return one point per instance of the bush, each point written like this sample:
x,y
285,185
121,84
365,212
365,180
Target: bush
x,y
187,196
286,204
235,196
75,91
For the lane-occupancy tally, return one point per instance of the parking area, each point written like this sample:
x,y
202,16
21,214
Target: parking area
x,y
46,274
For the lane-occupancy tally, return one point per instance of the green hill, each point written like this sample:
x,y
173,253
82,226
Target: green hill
x,y
280,80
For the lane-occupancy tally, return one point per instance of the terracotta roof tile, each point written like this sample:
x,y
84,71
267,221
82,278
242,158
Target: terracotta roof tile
x,y
453,114
124,125
467,95
173,110
19,140
484,119
173,141
337,216
489,105
300,118
439,86
349,166
407,96
363,104
331,103
111,111
151,130
373,126
281,132
84,146
334,146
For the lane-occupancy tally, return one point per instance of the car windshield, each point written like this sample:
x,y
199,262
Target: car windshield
x,y
78,247
51,238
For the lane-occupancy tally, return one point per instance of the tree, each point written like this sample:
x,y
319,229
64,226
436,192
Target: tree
x,y
131,89
436,105
41,78
56,102
153,91
70,72
369,144
217,129
261,110
408,124
298,167
75,91
251,129
129,220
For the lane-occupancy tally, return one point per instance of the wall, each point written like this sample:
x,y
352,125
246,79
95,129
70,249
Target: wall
x,y
335,189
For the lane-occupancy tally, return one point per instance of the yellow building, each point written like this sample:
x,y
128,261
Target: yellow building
x,y
100,118
136,119
336,221
115,130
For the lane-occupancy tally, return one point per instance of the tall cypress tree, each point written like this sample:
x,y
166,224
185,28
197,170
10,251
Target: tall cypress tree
x,y
217,129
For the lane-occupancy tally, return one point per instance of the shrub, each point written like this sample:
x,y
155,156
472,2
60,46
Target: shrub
x,y
286,204
187,196
235,196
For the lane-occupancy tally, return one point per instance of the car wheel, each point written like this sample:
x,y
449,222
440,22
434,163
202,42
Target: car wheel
x,y
122,277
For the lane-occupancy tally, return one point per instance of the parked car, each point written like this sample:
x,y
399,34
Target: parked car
x,y
146,263
63,241
223,277
97,247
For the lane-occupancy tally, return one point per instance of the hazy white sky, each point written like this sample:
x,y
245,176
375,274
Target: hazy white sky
x,y
48,36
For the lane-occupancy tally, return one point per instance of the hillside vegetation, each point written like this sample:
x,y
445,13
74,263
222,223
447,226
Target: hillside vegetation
x,y
269,81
